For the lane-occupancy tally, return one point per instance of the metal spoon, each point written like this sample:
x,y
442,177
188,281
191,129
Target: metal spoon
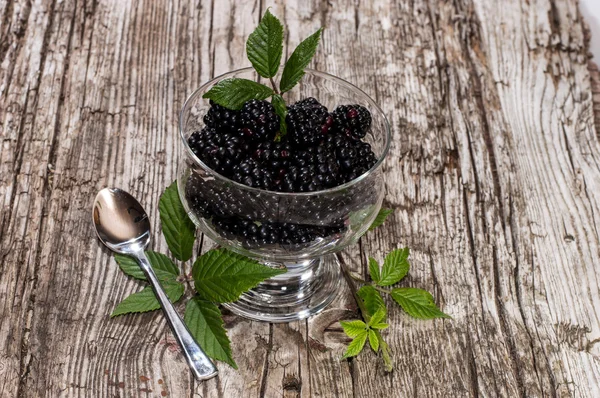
x,y
123,226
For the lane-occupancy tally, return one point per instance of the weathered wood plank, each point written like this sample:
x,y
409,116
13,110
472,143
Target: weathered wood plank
x,y
494,172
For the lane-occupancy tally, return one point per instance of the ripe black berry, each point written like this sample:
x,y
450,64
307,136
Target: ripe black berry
x,y
352,120
220,118
258,121
308,122
251,173
219,151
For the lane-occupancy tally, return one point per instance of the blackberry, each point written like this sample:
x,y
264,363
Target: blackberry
x,y
258,121
220,151
354,158
352,120
312,169
221,118
273,155
249,172
308,122
198,203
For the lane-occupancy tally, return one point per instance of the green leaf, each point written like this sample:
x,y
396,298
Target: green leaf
x,y
301,57
374,270
204,320
233,93
380,219
353,328
177,227
356,345
281,110
377,317
145,300
265,45
373,340
417,303
380,326
371,298
221,275
162,265
395,267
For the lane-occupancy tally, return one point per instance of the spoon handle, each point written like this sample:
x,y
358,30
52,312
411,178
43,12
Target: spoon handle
x,y
201,365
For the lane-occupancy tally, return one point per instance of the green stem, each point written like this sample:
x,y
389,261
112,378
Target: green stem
x,y
382,290
360,280
346,273
385,349
274,85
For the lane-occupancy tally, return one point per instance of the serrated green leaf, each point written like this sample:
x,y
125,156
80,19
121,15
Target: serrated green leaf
x,y
395,267
204,320
380,219
145,300
380,326
417,303
371,298
162,265
374,270
177,227
356,345
378,317
265,45
221,275
353,328
373,340
233,93
300,58
281,110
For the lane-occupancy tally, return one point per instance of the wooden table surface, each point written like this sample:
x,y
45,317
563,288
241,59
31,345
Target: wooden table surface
x,y
494,173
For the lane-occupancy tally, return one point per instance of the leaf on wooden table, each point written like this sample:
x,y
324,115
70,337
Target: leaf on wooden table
x,y
374,270
373,340
353,328
162,265
380,219
177,227
205,322
417,303
395,267
356,345
221,276
145,300
378,317
372,299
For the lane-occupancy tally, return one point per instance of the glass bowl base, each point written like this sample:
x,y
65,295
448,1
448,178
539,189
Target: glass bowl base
x,y
305,290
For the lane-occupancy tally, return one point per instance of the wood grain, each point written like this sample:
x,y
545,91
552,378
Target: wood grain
x,y
494,173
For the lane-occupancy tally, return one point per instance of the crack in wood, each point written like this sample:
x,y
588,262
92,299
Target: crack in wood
x,y
265,370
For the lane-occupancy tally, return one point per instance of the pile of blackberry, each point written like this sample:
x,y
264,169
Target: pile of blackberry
x,y
321,150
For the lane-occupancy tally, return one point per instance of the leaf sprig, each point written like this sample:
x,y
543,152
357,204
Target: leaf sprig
x,y
417,303
264,49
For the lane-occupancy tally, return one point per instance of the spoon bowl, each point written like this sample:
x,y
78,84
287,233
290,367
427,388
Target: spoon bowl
x,y
121,222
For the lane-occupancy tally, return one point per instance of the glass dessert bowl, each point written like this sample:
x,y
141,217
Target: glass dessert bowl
x,y
296,230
